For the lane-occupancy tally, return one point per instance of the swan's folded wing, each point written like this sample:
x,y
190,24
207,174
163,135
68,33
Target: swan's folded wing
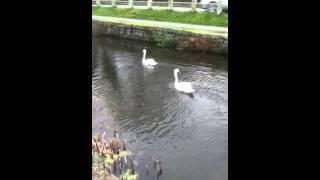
x,y
151,62
186,86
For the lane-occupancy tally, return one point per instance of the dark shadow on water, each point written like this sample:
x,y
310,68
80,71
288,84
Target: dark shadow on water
x,y
190,95
187,94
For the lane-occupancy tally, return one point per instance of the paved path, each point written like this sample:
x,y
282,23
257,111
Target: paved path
x,y
213,30
181,9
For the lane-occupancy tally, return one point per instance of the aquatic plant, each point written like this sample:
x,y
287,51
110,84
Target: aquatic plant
x,y
110,159
160,40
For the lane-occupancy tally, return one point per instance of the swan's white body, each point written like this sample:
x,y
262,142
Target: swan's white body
x,y
182,86
147,62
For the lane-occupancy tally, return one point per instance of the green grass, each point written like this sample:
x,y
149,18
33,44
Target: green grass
x,y
199,18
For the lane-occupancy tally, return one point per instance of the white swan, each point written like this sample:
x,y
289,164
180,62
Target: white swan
x,y
147,62
182,86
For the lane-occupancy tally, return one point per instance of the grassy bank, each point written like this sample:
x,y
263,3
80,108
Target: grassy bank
x,y
199,18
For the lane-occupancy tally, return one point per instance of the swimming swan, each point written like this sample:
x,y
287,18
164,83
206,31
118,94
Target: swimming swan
x,y
182,86
147,62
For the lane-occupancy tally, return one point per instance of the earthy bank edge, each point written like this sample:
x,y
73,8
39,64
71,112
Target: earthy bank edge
x,y
111,160
189,40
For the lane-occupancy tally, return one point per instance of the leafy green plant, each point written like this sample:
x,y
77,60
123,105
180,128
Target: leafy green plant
x,y
160,40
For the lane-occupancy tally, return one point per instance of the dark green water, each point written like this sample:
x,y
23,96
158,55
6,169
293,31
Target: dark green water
x,y
189,135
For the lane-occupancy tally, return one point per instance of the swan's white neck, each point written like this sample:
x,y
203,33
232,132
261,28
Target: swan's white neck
x,y
144,56
176,76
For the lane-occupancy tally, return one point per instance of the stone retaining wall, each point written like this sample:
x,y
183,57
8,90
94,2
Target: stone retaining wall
x,y
179,39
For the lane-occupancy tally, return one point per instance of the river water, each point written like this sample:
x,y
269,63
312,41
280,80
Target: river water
x,y
188,134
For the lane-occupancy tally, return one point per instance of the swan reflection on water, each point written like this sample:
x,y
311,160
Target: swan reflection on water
x,y
149,68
